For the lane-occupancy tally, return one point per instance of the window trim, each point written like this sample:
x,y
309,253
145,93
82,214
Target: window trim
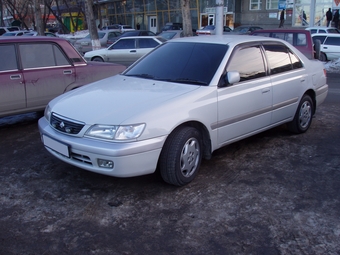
x,y
257,3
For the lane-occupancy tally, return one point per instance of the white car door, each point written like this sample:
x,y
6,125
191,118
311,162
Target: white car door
x,y
122,52
288,77
245,107
331,47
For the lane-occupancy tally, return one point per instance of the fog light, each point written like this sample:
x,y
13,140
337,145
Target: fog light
x,y
105,163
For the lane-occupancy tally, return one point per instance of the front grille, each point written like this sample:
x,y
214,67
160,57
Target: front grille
x,y
65,125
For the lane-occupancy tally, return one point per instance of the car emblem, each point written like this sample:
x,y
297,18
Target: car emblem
x,y
62,124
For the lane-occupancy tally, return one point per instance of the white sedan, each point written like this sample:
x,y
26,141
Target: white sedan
x,y
126,50
329,45
181,102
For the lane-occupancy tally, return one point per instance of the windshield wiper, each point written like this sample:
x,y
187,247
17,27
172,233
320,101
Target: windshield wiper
x,y
188,81
142,75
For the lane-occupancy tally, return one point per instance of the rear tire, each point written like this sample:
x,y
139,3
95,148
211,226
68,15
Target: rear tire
x,y
323,57
303,116
181,156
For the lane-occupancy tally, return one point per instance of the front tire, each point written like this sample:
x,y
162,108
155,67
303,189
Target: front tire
x,y
181,156
303,116
98,59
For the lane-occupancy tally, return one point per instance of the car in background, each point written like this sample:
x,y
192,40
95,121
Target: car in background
x,y
121,28
34,33
245,30
16,33
172,26
132,33
181,102
211,30
171,34
329,45
35,69
317,29
126,50
299,38
8,29
105,38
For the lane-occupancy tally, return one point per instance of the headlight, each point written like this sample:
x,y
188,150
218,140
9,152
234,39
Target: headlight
x,y
120,133
47,113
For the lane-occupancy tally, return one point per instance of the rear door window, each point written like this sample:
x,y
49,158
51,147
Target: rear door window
x,y
332,41
278,58
34,55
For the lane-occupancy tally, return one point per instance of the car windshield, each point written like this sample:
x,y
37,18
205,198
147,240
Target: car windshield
x,y
181,62
168,35
241,29
209,28
100,35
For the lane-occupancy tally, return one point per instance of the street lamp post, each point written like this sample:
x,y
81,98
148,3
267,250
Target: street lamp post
x,y
219,17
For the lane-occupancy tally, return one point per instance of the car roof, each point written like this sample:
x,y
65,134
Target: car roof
x,y
280,30
318,27
5,39
226,39
139,37
326,34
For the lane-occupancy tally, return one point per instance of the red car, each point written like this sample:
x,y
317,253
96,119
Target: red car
x,y
299,38
34,70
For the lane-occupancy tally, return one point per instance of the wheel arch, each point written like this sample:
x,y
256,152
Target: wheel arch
x,y
98,57
206,140
312,95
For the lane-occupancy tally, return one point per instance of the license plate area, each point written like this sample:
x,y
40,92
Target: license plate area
x,y
56,146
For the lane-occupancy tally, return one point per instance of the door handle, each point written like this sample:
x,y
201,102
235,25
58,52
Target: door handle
x,y
265,91
67,72
133,51
15,77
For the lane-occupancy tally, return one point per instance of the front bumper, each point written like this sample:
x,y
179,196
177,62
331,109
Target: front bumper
x,y
128,159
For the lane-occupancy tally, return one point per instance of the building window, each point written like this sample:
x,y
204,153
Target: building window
x,y
255,5
272,4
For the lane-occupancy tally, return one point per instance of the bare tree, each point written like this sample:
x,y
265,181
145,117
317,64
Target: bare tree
x,y
19,10
92,24
38,17
186,15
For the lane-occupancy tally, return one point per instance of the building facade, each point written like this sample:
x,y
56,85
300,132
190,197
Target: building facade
x,y
153,14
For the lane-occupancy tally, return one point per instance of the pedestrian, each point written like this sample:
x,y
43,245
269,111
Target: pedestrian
x,y
336,19
329,16
138,26
282,18
304,18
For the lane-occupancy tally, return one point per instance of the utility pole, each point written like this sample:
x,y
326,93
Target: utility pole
x,y
219,17
1,15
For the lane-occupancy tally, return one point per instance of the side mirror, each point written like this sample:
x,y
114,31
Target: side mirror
x,y
232,77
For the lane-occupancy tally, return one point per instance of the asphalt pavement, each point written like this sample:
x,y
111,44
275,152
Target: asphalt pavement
x,y
273,193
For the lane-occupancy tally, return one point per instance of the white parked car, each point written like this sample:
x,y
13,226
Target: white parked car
x,y
329,46
182,101
320,29
125,50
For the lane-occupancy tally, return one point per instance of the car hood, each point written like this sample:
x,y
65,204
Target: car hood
x,y
96,52
116,99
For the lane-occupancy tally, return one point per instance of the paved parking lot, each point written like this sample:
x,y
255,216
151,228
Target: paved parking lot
x,y
274,193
